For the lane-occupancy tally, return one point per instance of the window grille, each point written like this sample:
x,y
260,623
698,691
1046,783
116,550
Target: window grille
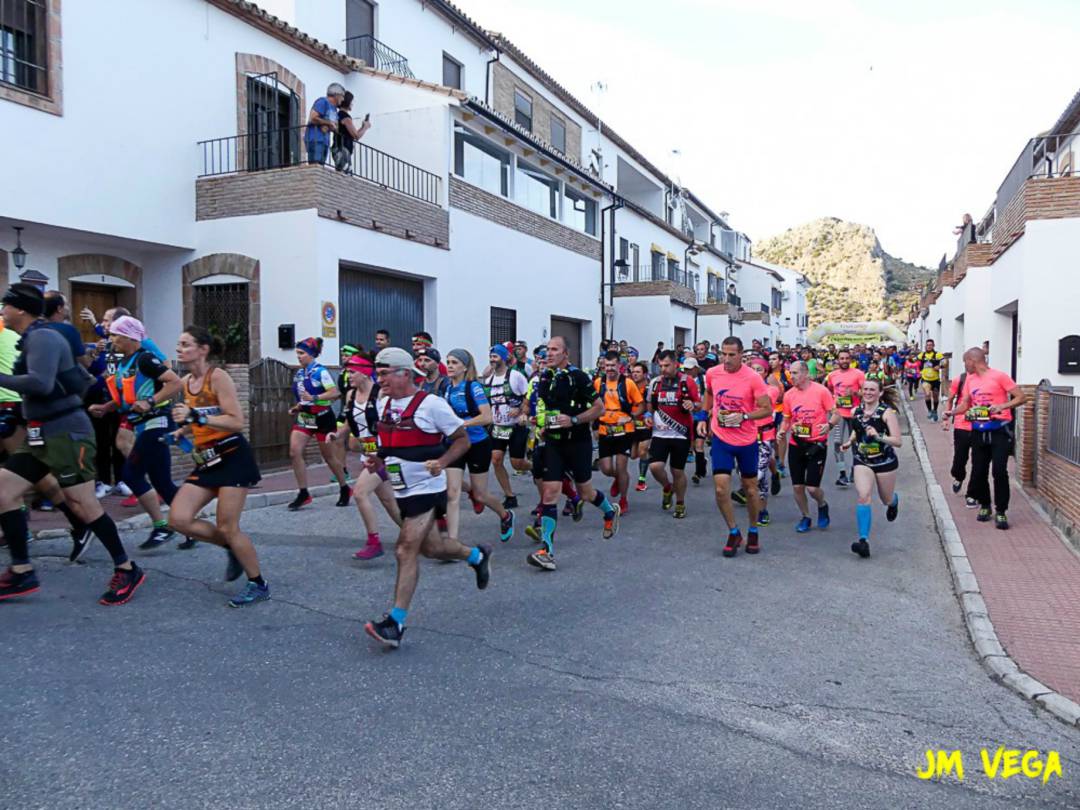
x,y
223,309
503,325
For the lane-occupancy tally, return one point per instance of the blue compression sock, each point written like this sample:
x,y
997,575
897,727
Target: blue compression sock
x,y
863,514
895,499
549,519
734,530
475,556
601,502
398,615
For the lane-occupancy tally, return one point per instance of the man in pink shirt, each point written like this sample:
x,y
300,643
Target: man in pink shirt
x,y
735,396
845,382
987,402
809,415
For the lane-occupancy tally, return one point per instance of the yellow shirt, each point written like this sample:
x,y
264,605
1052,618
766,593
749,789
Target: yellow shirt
x,y
8,353
931,363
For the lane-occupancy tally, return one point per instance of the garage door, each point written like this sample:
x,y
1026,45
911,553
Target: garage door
x,y
368,301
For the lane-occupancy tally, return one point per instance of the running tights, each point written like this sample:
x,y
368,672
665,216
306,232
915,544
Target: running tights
x,y
150,457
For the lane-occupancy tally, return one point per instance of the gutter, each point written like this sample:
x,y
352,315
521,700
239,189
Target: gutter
x,y
616,204
487,76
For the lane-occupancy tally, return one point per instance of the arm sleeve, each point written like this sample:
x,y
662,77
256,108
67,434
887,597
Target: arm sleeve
x,y
43,351
150,366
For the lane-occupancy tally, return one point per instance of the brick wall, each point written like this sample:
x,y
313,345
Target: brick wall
x,y
1025,437
334,195
676,292
505,82
492,207
1057,481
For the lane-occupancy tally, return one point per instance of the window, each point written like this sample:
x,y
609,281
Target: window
x,y
481,163
579,211
558,135
503,325
635,261
536,191
24,45
451,72
522,110
672,270
223,309
657,266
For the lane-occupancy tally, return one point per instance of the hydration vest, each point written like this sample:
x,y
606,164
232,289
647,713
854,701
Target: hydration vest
x,y
654,390
128,385
620,389
404,439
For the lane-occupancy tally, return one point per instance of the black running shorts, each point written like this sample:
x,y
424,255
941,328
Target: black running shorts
x,y
477,459
412,506
615,445
516,444
806,463
573,458
675,451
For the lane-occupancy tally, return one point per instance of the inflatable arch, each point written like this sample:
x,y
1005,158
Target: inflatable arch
x,y
886,329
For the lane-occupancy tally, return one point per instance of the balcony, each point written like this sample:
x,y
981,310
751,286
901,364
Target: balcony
x,y
676,283
757,312
268,172
378,55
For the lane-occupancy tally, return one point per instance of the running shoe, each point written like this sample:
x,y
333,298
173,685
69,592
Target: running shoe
x,y
80,542
506,526
371,550
387,632
842,481
122,489
45,505
24,584
510,502
534,533
739,497
956,486
130,502
483,568
478,507
984,515
680,511
579,509
753,545
774,487
804,526
614,488
624,506
862,548
301,500
780,468
666,499
763,517
344,496
611,522
823,516
734,540
641,485
543,559
233,569
251,594
1001,521
122,586
696,479
188,544
567,510
971,503
893,510
159,536
101,490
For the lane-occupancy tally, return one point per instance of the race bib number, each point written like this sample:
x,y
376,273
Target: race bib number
x,y
802,431
206,458
667,398
502,431
551,420
869,449
395,476
639,424
979,413
844,401
369,446
615,430
306,420
34,437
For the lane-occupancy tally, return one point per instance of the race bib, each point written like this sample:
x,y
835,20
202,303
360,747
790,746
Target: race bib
x,y
502,431
615,430
667,398
979,413
33,435
306,420
395,476
869,449
369,446
844,401
206,458
551,420
639,424
802,431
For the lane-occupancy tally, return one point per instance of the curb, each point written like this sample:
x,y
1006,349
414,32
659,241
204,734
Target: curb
x,y
976,618
258,500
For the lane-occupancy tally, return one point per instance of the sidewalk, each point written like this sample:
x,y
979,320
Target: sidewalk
x,y
1029,579
281,481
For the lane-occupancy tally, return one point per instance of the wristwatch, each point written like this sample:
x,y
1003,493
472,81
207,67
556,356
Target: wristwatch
x,y
573,420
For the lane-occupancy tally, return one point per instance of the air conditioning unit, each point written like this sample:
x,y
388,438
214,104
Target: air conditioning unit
x,y
785,296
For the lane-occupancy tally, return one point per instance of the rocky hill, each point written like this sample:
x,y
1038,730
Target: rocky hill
x,y
851,277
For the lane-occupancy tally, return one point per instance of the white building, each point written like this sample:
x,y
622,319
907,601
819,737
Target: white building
x,y
1012,278
486,203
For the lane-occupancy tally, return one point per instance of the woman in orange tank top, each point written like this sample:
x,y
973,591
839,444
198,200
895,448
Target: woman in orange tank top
x,y
225,466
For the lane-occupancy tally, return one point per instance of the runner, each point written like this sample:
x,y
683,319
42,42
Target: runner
x,y
521,359
469,401
506,390
570,405
779,375
912,373
225,465
961,439
59,440
314,389
414,427
875,436
932,363
768,478
673,398
987,401
844,383
639,373
362,418
809,415
142,390
433,372
623,403
693,370
735,396
341,436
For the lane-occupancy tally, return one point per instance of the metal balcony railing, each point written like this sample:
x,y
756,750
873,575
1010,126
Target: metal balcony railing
x,y
378,55
282,148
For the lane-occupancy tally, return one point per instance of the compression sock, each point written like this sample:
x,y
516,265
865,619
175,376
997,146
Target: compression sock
x,y
13,524
895,499
568,490
105,530
549,518
642,468
398,615
863,514
601,502
699,465
77,525
475,556
733,530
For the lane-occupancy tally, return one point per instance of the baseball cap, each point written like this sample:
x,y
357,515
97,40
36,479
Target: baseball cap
x,y
690,362
394,358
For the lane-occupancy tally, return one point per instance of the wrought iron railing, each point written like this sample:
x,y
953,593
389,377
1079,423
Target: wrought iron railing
x,y
282,148
1063,438
378,55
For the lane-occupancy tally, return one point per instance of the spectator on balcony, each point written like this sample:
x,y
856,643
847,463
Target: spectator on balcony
x,y
967,228
322,120
347,134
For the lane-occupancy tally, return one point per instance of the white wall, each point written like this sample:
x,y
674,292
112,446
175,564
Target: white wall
x,y
645,319
1047,303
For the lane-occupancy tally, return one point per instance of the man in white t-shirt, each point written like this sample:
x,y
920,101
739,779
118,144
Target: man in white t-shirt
x,y
506,388
419,435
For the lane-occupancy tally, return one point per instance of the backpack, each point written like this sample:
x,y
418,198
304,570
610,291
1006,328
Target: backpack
x,y
683,392
620,390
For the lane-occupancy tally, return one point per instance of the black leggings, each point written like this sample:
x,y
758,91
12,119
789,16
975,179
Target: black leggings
x,y
150,457
109,460
961,450
990,451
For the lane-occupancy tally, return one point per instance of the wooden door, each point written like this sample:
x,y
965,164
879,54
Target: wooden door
x,y
98,298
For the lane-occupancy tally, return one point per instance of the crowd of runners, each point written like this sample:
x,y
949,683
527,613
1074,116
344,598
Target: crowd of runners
x,y
416,421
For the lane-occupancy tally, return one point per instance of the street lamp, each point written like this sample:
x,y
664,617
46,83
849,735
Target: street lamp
x,y
18,254
623,269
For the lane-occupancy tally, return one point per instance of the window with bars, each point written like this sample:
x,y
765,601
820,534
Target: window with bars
x,y
24,45
503,325
223,309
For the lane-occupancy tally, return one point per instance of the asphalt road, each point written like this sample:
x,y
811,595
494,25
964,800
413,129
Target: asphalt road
x,y
647,672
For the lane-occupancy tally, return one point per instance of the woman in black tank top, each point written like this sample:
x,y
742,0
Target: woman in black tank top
x,y
347,134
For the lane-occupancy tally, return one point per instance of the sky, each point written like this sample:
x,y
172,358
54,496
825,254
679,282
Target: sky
x,y
898,115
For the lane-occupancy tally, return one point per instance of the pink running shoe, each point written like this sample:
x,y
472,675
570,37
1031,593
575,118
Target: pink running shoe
x,y
372,550
130,502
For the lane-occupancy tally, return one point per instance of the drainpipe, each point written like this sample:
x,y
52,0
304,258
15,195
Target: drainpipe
x,y
487,77
616,204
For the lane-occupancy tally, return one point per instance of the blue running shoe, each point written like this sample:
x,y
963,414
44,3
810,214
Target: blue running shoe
x,y
823,516
804,526
251,594
763,518
506,527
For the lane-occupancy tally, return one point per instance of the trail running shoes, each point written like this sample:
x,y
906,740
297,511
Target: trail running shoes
x,y
159,536
823,516
734,540
123,585
666,499
861,547
483,568
611,522
80,542
251,594
506,526
301,500
387,632
543,559
24,584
